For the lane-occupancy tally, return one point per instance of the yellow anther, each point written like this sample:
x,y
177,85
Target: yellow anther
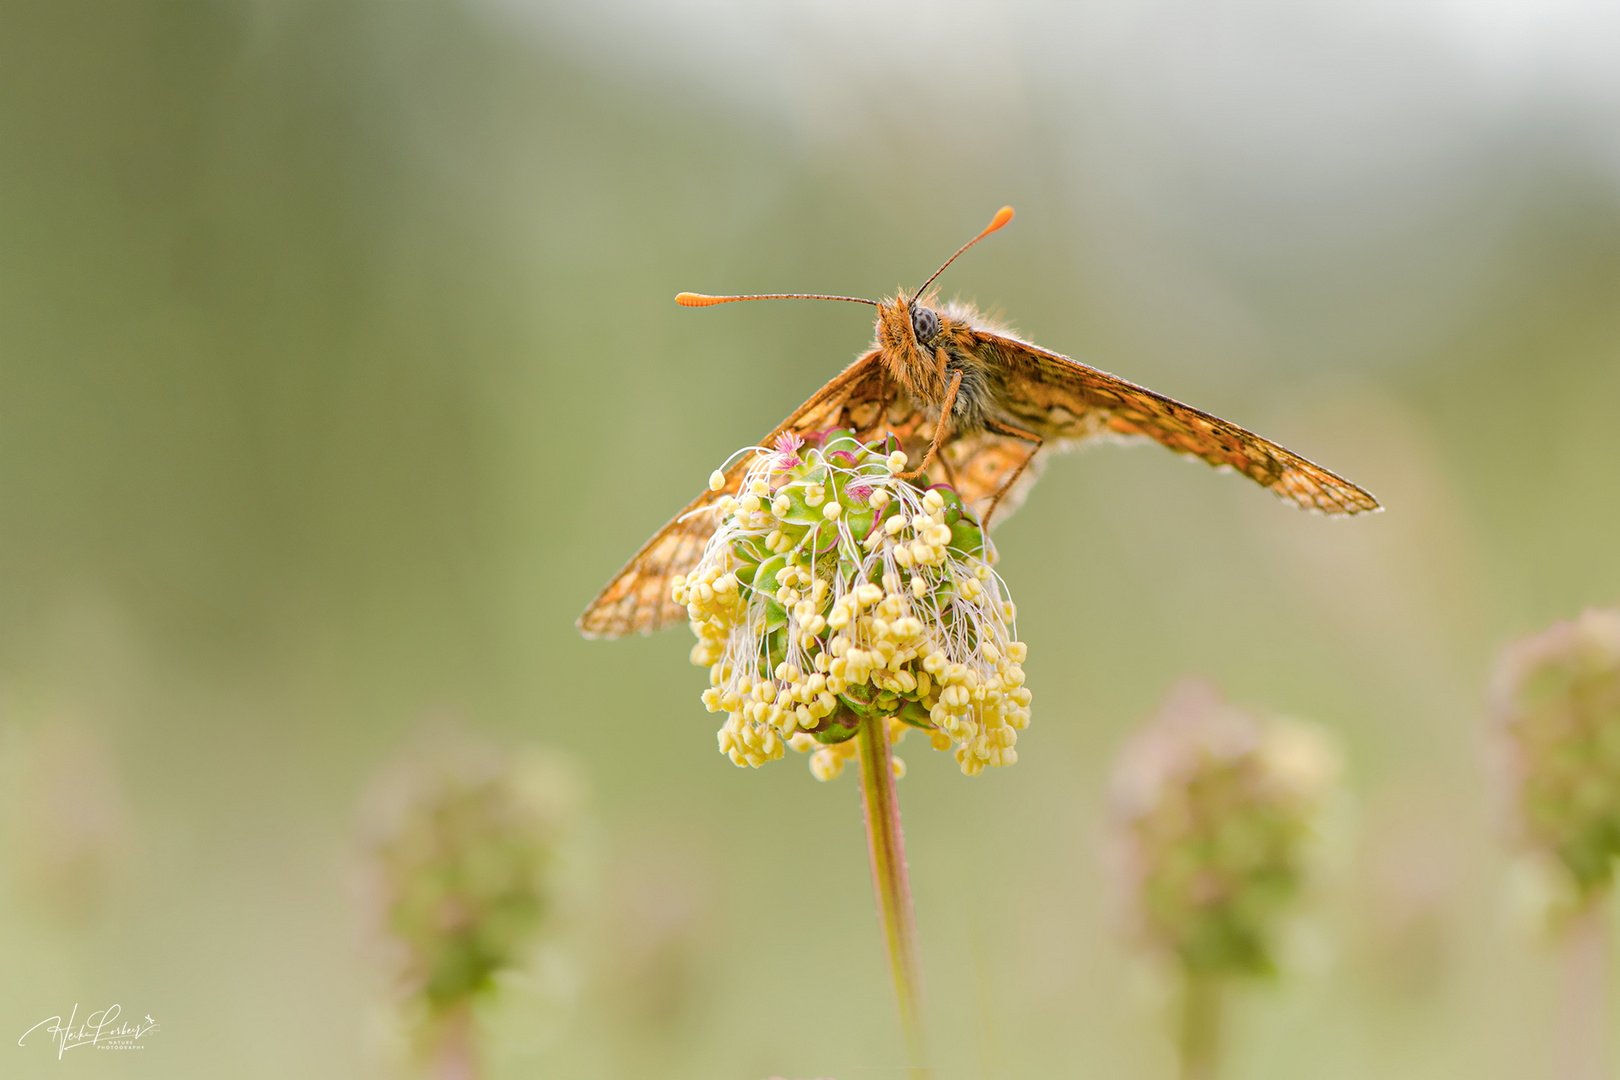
x,y
933,500
897,462
831,511
815,495
717,480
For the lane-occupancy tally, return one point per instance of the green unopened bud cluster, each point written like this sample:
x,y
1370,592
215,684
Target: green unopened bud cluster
x,y
835,592
1212,818
461,867
1556,700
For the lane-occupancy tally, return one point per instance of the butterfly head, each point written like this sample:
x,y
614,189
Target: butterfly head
x,y
907,331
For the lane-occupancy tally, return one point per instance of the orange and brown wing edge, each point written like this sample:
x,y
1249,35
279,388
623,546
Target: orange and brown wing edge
x,y
1093,403
637,599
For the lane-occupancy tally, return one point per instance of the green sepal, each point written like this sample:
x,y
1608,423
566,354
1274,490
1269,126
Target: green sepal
x,y
799,512
775,615
912,714
842,440
860,520
967,538
841,726
764,579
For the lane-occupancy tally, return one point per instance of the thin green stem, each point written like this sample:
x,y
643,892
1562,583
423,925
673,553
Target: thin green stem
x,y
890,881
1200,1039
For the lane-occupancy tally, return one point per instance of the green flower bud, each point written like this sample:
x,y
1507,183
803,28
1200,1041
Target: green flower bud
x,y
1555,702
1212,816
461,869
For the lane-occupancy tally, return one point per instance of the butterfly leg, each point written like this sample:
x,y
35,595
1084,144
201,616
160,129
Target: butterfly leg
x,y
1035,441
939,429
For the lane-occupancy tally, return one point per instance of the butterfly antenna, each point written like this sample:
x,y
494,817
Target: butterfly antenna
x,y
1004,215
692,299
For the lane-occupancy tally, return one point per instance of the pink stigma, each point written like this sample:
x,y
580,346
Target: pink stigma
x,y
787,451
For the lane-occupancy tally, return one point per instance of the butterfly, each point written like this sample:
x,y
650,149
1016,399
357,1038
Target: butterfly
x,y
975,406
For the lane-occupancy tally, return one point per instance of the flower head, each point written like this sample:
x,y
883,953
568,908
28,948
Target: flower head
x,y
1212,811
1555,701
834,591
460,868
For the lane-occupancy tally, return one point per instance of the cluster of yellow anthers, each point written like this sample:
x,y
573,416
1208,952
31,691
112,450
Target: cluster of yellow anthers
x,y
835,592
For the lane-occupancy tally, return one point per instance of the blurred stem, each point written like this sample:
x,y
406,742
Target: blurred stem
x,y
1583,991
454,1055
1200,1041
890,881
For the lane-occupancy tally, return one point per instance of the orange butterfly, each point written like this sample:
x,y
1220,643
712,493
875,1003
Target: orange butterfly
x,y
975,405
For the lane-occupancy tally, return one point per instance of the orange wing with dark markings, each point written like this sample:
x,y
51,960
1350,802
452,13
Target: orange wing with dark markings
x,y
1059,399
637,600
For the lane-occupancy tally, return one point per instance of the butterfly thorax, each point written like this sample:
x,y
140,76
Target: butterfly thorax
x,y
923,349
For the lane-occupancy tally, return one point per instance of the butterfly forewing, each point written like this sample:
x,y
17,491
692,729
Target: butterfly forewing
x,y
637,600
1059,399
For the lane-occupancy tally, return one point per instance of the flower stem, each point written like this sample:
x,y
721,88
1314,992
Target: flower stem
x,y
1200,1039
455,1056
1583,992
890,881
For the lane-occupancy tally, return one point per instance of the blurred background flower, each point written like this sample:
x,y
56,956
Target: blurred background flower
x,y
462,874
1214,812
68,832
1213,815
1555,703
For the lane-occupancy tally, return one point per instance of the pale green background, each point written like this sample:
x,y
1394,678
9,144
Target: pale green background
x,y
338,369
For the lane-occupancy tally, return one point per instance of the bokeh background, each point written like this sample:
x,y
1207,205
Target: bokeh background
x,y
338,369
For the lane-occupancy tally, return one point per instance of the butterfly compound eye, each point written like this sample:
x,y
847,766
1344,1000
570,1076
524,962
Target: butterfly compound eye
x,y
924,323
